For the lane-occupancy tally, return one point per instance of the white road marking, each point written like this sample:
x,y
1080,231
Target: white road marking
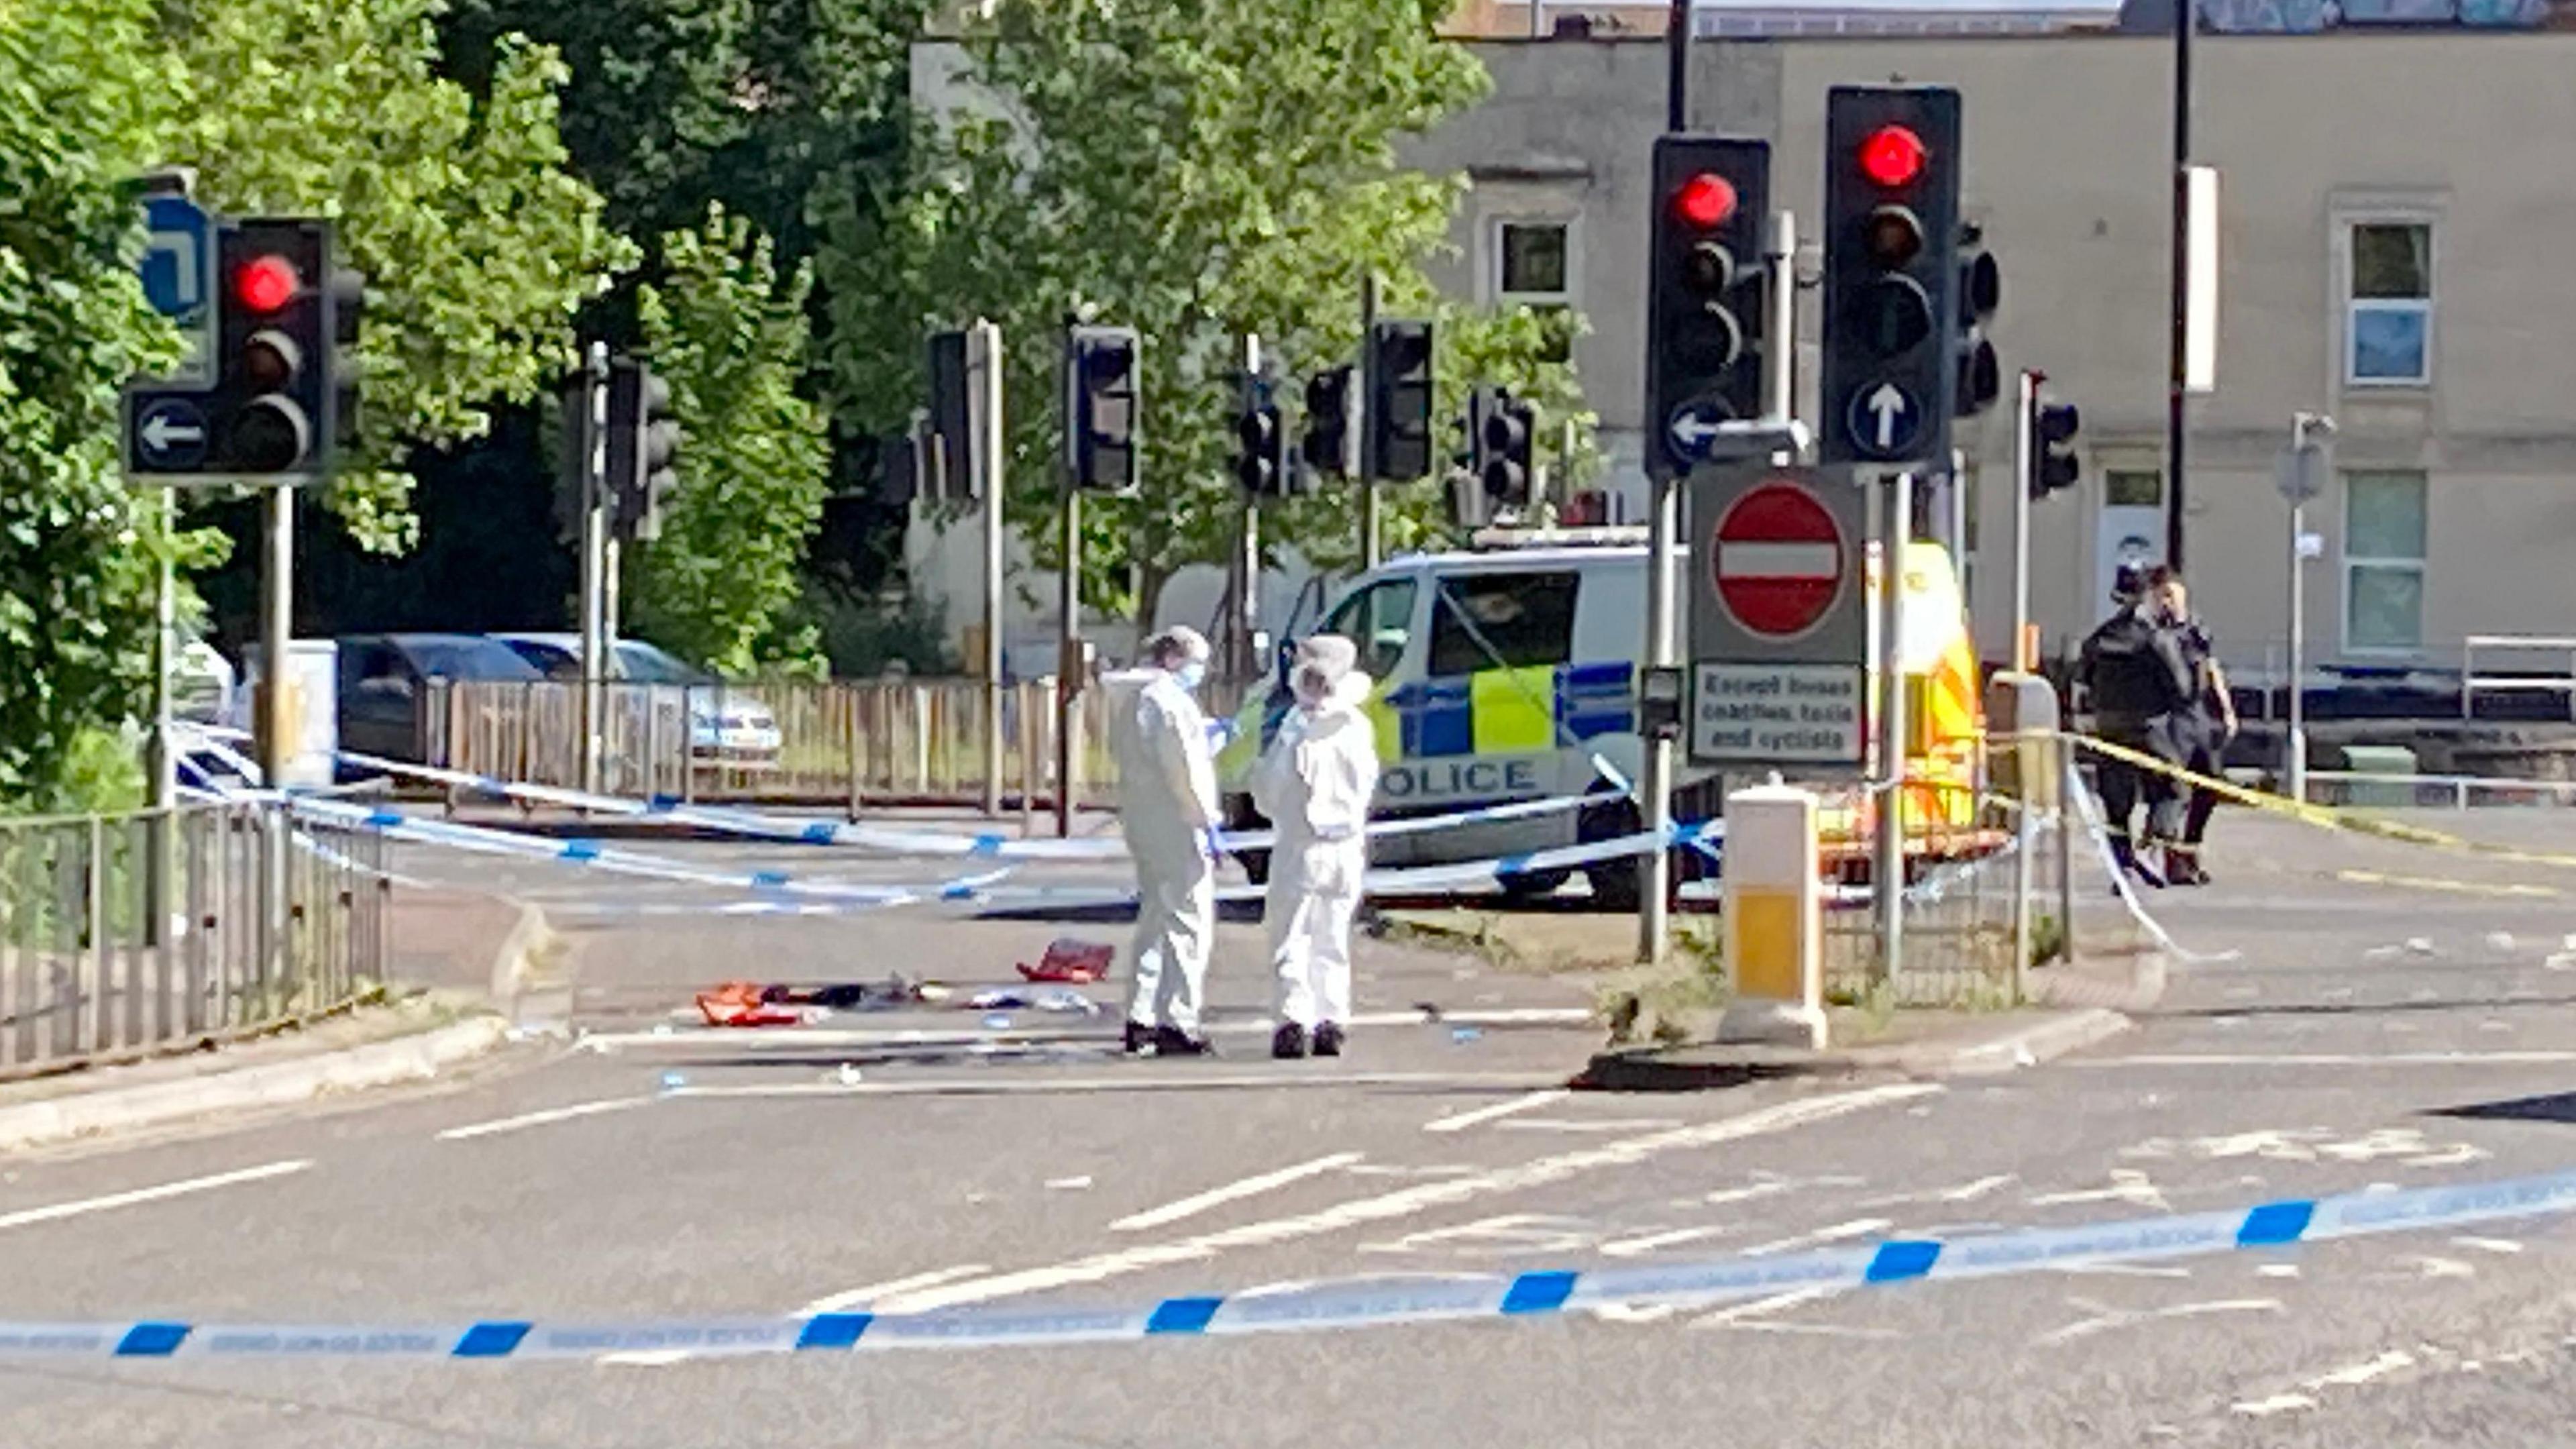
x,y
2455,1155
2276,1270
648,1358
2127,1185
861,1297
151,1194
1461,1121
539,1119
2106,1318
1839,1232
2362,1373
1632,1247
2277,1404
1408,1202
1232,1192
1388,1169
1498,1237
1764,1307
2490,1245
1611,1124
1071,1086
1966,1192
1769,1187
1068,1184
2120,1270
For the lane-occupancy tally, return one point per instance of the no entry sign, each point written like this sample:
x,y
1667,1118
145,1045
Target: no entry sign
x,y
1780,559
1779,627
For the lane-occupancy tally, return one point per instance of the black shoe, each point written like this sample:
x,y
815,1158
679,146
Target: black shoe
x,y
1171,1041
1138,1038
1328,1039
2182,868
1288,1043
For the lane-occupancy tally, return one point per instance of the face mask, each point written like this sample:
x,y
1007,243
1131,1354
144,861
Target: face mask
x,y
1191,675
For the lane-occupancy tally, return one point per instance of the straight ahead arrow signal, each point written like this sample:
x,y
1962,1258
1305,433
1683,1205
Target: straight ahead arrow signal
x,y
1887,405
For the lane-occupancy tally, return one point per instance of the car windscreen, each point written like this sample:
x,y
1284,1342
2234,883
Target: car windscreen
x,y
647,665
469,659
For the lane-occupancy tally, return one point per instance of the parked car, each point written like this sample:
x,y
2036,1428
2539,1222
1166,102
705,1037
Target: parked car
x,y
384,679
727,725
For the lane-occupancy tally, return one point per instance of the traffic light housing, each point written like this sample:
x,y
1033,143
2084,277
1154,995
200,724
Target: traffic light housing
x,y
1980,292
348,305
271,410
1331,444
1398,366
1101,405
1261,439
1705,319
643,449
949,476
1891,366
1506,431
2052,439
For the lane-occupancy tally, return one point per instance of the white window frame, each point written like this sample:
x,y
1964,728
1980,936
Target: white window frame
x,y
1495,256
2346,561
2360,212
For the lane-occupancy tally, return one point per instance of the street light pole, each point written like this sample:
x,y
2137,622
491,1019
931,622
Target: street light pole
x,y
2186,20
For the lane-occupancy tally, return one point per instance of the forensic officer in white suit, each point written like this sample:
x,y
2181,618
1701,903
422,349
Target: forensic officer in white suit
x,y
1167,809
1314,784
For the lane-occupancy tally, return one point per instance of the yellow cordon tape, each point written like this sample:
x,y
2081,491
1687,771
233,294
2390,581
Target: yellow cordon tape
x,y
2324,816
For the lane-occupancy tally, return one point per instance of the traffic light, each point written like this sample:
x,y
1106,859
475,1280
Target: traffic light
x,y
348,304
1981,291
1101,407
1506,433
270,412
1331,444
1261,462
1398,368
1705,318
1891,369
2052,438
643,447
949,476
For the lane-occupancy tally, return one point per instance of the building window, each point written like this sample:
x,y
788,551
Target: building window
x,y
2388,307
2383,561
1534,269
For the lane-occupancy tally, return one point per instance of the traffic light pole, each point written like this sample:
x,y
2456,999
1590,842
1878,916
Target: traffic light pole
x,y
276,720
1896,520
2025,465
1655,869
2177,411
1780,258
1068,659
162,759
594,566
1370,540
984,405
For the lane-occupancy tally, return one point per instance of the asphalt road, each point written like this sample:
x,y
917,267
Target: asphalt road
x,y
2355,1012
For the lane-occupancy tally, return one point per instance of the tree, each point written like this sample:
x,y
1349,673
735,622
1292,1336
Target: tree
x,y
478,244
85,100
1195,171
730,335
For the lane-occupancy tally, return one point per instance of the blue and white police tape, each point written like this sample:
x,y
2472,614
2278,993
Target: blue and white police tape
x,y
590,853
909,842
1523,1296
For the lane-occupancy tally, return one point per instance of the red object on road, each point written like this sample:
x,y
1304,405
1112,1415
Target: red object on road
x,y
1780,560
1073,961
741,1003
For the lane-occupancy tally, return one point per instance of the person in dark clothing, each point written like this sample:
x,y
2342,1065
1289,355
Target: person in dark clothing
x,y
2213,724
2142,698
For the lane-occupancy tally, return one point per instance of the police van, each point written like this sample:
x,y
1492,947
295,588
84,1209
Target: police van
x,y
1508,672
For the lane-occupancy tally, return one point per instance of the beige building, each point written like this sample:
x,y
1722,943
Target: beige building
x,y
2395,214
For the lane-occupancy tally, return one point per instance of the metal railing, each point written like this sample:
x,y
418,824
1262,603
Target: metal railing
x,y
2471,681
2366,789
259,924
842,742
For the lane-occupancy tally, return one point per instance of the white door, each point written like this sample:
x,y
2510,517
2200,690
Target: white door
x,y
2130,528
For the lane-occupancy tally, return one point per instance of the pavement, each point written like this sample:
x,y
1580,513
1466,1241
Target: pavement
x,y
2350,1012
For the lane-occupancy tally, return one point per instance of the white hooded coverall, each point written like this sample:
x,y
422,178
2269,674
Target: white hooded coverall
x,y
1166,805
1314,784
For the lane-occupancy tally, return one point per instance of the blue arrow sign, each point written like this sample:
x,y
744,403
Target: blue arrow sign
x,y
170,435
1885,421
177,257
1694,428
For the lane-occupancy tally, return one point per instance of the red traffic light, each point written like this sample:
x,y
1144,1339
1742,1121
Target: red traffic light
x,y
1705,201
1892,156
265,284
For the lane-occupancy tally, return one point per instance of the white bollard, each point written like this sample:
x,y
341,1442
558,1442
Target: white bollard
x,y
1774,918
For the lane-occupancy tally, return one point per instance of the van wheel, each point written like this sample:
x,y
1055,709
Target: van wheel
x,y
1535,884
1615,883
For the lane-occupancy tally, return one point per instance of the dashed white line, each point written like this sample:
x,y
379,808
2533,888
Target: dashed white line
x,y
539,1119
861,1297
1839,1232
151,1194
1232,1192
2490,1245
1633,1247
2276,1404
1606,1125
1461,1121
2361,1373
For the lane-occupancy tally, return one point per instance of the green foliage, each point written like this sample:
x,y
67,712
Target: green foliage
x,y
730,334
1194,171
478,245
84,105
860,635
677,103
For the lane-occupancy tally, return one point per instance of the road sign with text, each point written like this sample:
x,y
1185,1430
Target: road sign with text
x,y
1779,627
